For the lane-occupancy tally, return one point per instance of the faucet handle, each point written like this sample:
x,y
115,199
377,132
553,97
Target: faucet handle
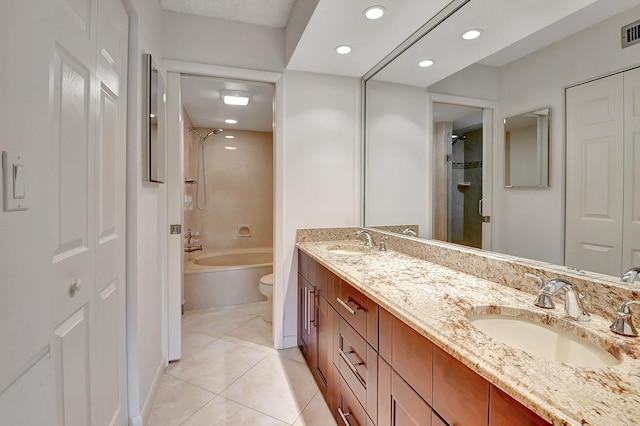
x,y
630,275
383,247
623,324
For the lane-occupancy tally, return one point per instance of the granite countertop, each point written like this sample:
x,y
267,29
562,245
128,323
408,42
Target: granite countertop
x,y
436,301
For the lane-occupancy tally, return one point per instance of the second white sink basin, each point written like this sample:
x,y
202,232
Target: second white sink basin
x,y
348,250
539,339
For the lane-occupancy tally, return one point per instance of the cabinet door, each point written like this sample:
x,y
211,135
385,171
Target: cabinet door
x,y
506,411
324,346
399,404
460,396
306,319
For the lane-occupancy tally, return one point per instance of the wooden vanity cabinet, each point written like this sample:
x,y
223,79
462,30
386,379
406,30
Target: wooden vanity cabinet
x,y
374,369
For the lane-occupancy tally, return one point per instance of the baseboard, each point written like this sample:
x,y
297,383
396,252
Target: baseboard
x,y
151,397
290,341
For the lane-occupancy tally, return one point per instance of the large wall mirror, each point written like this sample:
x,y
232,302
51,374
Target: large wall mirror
x,y
153,139
527,55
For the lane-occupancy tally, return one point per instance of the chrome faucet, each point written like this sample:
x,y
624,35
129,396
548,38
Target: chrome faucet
x,y
631,275
623,323
190,248
572,299
410,232
368,241
188,236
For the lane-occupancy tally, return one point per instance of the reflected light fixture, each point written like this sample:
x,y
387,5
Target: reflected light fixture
x,y
426,63
374,12
230,148
343,49
231,121
472,34
229,137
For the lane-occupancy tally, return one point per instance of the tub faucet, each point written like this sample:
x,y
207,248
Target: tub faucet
x,y
188,236
368,241
572,299
631,275
190,248
623,323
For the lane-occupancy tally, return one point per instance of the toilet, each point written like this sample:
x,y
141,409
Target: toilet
x,y
266,288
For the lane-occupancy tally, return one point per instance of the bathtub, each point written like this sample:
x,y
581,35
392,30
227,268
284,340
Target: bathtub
x,y
213,279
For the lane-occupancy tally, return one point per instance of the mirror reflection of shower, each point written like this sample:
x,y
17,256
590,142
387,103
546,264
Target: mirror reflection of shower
x,y
201,171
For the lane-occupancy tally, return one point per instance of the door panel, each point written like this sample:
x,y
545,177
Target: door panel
x,y
72,352
594,177
631,227
88,133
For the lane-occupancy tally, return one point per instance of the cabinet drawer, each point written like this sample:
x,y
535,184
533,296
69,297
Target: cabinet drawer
x,y
360,312
409,353
506,411
349,410
460,395
357,363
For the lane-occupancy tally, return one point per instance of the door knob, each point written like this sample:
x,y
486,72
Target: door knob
x,y
75,286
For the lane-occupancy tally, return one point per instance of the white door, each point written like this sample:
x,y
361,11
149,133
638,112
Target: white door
x,y
88,108
594,188
631,227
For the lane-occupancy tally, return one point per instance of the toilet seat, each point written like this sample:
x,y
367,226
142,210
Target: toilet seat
x,y
267,280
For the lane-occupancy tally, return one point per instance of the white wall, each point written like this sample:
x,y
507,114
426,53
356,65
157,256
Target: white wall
x,y
317,172
220,42
530,222
398,174
147,228
26,372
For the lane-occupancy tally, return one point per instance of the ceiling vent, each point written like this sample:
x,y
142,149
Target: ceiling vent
x,y
631,34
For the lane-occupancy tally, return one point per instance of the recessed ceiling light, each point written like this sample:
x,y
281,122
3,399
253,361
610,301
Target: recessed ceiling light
x,y
374,12
230,148
343,49
235,100
472,34
229,137
426,63
231,121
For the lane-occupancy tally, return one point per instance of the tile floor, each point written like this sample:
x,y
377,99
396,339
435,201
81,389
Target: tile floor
x,y
230,374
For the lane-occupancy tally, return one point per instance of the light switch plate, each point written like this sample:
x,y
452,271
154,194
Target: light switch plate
x,y
14,186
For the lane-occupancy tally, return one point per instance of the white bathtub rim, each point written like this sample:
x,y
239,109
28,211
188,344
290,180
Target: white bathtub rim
x,y
191,267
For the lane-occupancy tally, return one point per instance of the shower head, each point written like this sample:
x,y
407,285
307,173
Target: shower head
x,y
204,138
459,138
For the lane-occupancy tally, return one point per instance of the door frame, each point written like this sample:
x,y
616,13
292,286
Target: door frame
x,y
172,310
489,126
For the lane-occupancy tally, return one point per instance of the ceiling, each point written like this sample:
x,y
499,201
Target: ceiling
x,y
511,29
273,13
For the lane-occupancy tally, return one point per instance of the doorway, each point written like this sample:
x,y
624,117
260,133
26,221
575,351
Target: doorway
x,y
459,137
224,192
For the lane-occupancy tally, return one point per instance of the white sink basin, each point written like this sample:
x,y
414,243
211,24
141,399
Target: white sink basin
x,y
548,342
349,250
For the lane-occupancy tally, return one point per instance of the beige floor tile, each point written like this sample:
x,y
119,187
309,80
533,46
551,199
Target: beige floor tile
x,y
279,387
316,413
215,323
255,331
291,353
176,401
223,412
216,366
193,341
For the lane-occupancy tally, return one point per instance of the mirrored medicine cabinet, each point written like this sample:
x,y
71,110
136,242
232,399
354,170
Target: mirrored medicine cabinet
x,y
526,143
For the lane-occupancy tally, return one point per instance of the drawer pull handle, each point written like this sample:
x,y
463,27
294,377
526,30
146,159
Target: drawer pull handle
x,y
352,366
347,307
344,415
